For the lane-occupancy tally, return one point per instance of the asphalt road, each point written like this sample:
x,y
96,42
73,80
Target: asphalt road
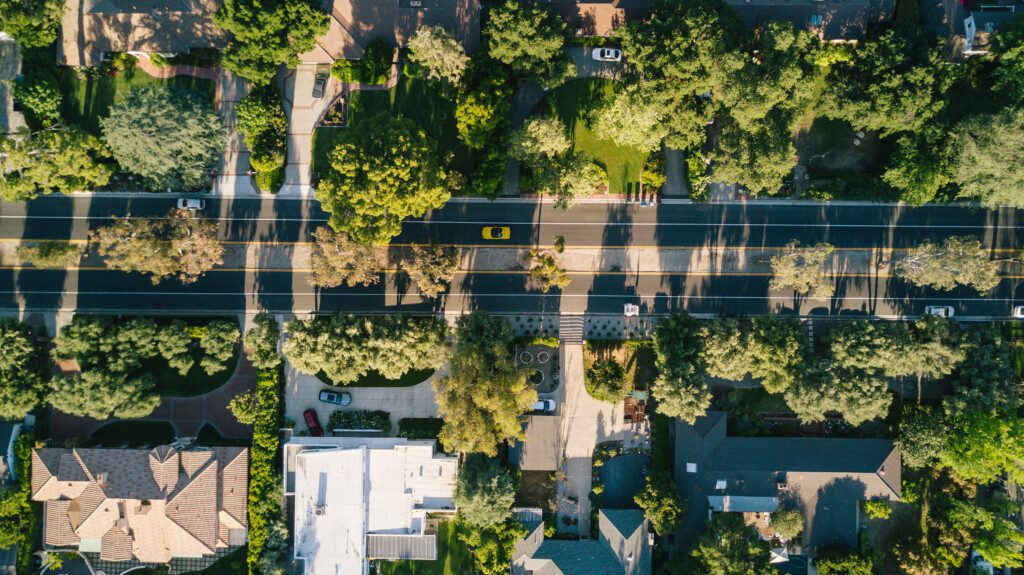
x,y
750,226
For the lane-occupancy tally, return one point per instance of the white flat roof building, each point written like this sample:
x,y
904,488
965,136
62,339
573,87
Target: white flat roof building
x,y
359,498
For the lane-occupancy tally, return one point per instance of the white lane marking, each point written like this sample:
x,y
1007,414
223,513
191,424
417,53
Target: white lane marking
x,y
471,294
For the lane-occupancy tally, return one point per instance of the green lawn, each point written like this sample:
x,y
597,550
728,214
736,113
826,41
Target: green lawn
x,y
170,383
86,100
453,557
574,103
426,103
374,379
134,433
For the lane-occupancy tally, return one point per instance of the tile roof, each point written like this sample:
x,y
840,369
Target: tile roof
x,y
829,476
150,505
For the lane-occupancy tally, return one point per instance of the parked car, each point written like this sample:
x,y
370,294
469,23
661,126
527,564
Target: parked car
x,y
335,397
191,204
606,54
496,233
313,423
1018,312
320,86
545,405
939,310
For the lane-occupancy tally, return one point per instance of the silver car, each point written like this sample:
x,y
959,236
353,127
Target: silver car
x,y
606,54
191,204
939,310
335,397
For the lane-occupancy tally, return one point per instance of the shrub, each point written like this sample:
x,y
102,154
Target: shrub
x,y
347,71
262,121
51,255
264,480
124,61
376,62
606,381
877,509
261,342
39,94
158,60
364,420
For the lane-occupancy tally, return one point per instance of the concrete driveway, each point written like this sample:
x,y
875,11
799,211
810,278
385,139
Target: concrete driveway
x,y
302,392
303,112
587,67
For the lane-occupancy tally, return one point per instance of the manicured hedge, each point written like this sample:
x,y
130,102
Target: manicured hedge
x,y
264,478
367,420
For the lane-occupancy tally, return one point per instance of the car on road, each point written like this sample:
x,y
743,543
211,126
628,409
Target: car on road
x,y
335,397
545,405
313,423
193,204
606,54
320,86
1018,312
939,310
496,233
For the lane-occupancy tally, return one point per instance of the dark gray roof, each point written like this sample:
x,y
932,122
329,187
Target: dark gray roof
x,y
840,19
627,521
579,557
825,477
398,547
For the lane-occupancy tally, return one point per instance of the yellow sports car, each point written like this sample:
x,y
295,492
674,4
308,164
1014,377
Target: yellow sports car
x,y
496,233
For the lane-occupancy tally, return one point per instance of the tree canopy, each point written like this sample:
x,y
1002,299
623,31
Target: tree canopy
x,y
922,436
606,381
842,561
989,150
170,137
802,270
758,159
33,23
730,547
662,504
59,160
632,119
268,34
983,445
958,260
776,351
485,492
724,353
335,259
431,268
21,383
679,390
986,379
439,53
858,396
484,396
529,37
100,395
384,170
346,348
261,341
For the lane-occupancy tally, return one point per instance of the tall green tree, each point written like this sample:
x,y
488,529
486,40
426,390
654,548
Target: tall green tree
x,y
529,38
269,34
842,561
958,260
218,343
485,492
858,396
730,547
922,436
262,122
632,119
993,535
384,170
988,152
679,390
335,259
1008,48
439,53
777,351
33,23
483,111
260,341
920,166
20,381
492,547
101,395
662,504
431,268
894,83
985,379
484,396
758,159
725,349
983,445
170,137
803,270
39,94
346,348
59,160
672,57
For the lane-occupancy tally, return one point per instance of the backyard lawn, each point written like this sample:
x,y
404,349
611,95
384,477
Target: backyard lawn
x,y
414,98
574,103
453,557
86,100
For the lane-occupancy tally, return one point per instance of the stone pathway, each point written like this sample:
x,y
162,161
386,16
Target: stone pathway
x,y
186,414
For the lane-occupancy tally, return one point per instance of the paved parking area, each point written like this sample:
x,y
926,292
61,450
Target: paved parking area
x,y
302,392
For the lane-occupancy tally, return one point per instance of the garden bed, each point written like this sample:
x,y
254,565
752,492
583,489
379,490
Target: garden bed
x,y
378,421
420,427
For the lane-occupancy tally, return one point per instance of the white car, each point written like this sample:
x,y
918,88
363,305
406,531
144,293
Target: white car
x,y
545,405
191,204
606,54
1018,312
939,310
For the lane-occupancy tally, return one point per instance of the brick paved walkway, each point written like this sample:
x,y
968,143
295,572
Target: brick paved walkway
x,y
186,414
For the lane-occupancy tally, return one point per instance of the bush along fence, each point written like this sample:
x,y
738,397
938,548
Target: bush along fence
x,y
264,478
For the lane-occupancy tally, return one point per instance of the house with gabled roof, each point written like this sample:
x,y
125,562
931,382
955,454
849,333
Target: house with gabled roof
x,y
623,547
145,505
355,23
826,478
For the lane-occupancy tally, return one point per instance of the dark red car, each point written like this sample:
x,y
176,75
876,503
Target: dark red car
x,y
313,423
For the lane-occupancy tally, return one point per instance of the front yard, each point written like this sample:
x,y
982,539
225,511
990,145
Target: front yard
x,y
453,557
636,356
574,103
86,100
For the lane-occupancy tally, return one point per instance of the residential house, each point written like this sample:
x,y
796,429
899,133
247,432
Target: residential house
x,y
830,20
596,18
363,498
355,23
91,30
826,478
623,547
144,505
